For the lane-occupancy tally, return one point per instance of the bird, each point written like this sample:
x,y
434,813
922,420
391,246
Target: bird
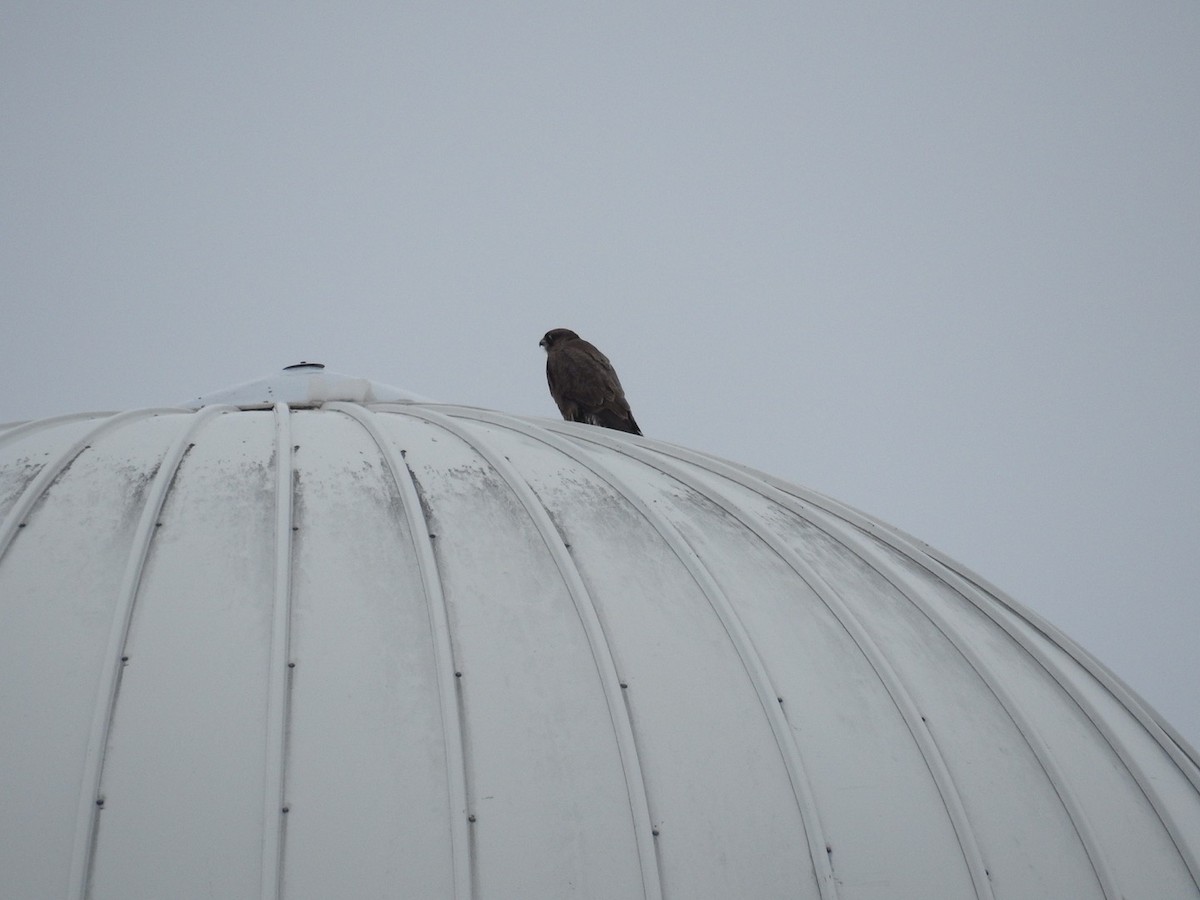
x,y
584,384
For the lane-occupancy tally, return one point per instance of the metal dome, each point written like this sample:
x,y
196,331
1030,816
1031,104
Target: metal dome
x,y
359,645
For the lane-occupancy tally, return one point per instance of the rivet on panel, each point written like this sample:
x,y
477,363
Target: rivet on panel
x,y
124,659
458,674
100,801
287,809
654,832
471,818
624,686
291,665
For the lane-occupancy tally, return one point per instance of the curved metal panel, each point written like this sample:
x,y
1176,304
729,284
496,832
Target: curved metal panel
x,y
185,775
91,799
427,871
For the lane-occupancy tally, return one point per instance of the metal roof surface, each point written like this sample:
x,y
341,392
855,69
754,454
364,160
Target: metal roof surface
x,y
345,647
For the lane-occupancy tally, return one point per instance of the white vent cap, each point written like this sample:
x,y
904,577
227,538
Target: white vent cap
x,y
306,384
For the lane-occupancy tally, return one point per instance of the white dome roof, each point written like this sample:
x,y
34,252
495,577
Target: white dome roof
x,y
359,645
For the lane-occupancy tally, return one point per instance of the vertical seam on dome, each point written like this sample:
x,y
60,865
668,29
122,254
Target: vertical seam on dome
x,y
1041,751
278,678
108,684
51,471
1175,745
875,656
743,645
597,641
462,850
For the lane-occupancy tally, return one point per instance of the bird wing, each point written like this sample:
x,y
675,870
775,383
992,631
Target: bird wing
x,y
581,374
558,380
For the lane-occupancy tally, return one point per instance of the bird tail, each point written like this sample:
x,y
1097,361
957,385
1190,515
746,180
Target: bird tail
x,y
612,419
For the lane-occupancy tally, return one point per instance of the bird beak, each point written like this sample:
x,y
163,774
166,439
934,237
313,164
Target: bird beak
x,y
542,342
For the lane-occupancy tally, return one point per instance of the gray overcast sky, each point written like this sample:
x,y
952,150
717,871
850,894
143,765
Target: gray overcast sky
x,y
940,261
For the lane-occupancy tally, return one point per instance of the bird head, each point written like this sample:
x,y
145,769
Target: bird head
x,y
555,336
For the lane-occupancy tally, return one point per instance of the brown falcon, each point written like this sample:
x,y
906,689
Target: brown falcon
x,y
584,384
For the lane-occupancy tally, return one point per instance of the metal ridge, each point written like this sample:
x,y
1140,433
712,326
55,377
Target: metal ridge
x,y
278,678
